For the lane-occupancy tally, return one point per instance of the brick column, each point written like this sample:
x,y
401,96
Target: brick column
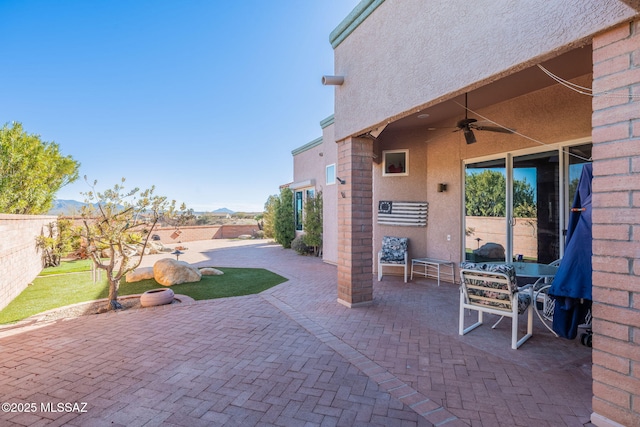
x,y
616,227
355,272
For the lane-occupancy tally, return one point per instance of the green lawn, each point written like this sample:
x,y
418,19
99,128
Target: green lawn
x,y
68,267
53,289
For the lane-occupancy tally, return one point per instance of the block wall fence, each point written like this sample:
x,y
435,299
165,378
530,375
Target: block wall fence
x,y
20,259
616,227
169,235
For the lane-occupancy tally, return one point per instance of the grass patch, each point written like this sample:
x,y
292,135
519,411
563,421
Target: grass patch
x,y
53,291
75,266
234,282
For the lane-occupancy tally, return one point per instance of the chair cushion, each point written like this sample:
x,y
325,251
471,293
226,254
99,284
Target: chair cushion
x,y
393,249
392,261
509,270
524,299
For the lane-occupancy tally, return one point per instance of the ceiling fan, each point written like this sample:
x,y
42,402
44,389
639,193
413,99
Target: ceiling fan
x,y
467,126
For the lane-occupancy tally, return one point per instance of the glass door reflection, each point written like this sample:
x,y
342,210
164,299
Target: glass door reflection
x,y
486,211
536,203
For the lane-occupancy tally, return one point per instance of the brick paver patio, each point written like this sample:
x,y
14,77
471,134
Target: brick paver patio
x,y
290,356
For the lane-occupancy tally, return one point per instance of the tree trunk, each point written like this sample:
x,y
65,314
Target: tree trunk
x,y
113,296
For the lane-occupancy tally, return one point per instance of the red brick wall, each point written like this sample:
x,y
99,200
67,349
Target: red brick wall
x,y
20,259
204,232
355,222
616,227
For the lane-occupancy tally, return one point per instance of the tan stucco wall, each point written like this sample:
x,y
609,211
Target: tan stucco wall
x,y
309,167
553,115
330,199
404,55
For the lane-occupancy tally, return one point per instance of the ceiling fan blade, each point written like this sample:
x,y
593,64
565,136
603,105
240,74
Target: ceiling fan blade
x,y
494,129
468,135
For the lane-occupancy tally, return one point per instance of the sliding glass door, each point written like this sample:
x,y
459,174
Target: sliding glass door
x,y
516,205
536,203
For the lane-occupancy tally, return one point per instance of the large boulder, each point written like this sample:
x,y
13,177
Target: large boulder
x,y
169,272
142,273
490,250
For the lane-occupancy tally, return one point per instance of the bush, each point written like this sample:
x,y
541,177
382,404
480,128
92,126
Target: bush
x,y
300,246
61,240
313,223
285,228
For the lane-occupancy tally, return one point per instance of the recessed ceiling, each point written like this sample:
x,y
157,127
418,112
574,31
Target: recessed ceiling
x,y
575,63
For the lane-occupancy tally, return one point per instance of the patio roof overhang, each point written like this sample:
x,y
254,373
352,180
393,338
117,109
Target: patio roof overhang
x,y
448,109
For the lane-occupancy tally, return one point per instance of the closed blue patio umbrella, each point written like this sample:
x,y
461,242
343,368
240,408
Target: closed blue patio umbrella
x,y
572,284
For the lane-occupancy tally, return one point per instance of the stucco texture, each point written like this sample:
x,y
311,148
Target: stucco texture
x,y
548,117
409,54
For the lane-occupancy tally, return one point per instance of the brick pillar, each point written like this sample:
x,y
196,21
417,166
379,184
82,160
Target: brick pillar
x,y
616,227
355,272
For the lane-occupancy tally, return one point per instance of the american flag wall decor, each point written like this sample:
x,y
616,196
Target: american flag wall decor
x,y
412,214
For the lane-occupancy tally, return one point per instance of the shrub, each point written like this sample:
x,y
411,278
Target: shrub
x,y
61,240
313,223
285,230
300,246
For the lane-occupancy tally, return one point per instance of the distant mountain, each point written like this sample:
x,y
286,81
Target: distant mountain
x,y
66,207
73,207
223,211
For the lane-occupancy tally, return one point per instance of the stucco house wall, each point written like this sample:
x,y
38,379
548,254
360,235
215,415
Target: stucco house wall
x,y
400,42
309,171
436,157
395,62
330,194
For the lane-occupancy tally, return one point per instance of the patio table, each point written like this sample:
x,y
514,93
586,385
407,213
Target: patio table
x,y
532,269
434,268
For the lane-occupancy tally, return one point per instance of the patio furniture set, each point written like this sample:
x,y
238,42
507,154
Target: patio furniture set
x,y
490,288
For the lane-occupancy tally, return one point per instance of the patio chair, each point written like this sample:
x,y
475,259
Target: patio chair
x,y
393,254
492,288
545,303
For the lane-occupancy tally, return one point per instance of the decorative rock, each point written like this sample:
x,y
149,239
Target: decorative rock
x,y
210,271
168,272
155,247
491,250
139,274
156,297
245,237
151,248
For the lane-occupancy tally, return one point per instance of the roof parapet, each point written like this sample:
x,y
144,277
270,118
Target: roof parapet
x,y
353,20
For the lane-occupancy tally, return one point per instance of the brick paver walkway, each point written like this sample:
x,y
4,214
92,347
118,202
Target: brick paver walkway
x,y
291,356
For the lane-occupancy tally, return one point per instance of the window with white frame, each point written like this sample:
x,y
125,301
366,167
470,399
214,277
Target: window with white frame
x,y
330,174
395,163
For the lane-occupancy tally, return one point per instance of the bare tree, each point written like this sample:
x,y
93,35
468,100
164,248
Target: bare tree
x,y
116,228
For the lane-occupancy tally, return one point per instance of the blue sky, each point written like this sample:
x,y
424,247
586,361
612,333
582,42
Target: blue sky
x,y
203,99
